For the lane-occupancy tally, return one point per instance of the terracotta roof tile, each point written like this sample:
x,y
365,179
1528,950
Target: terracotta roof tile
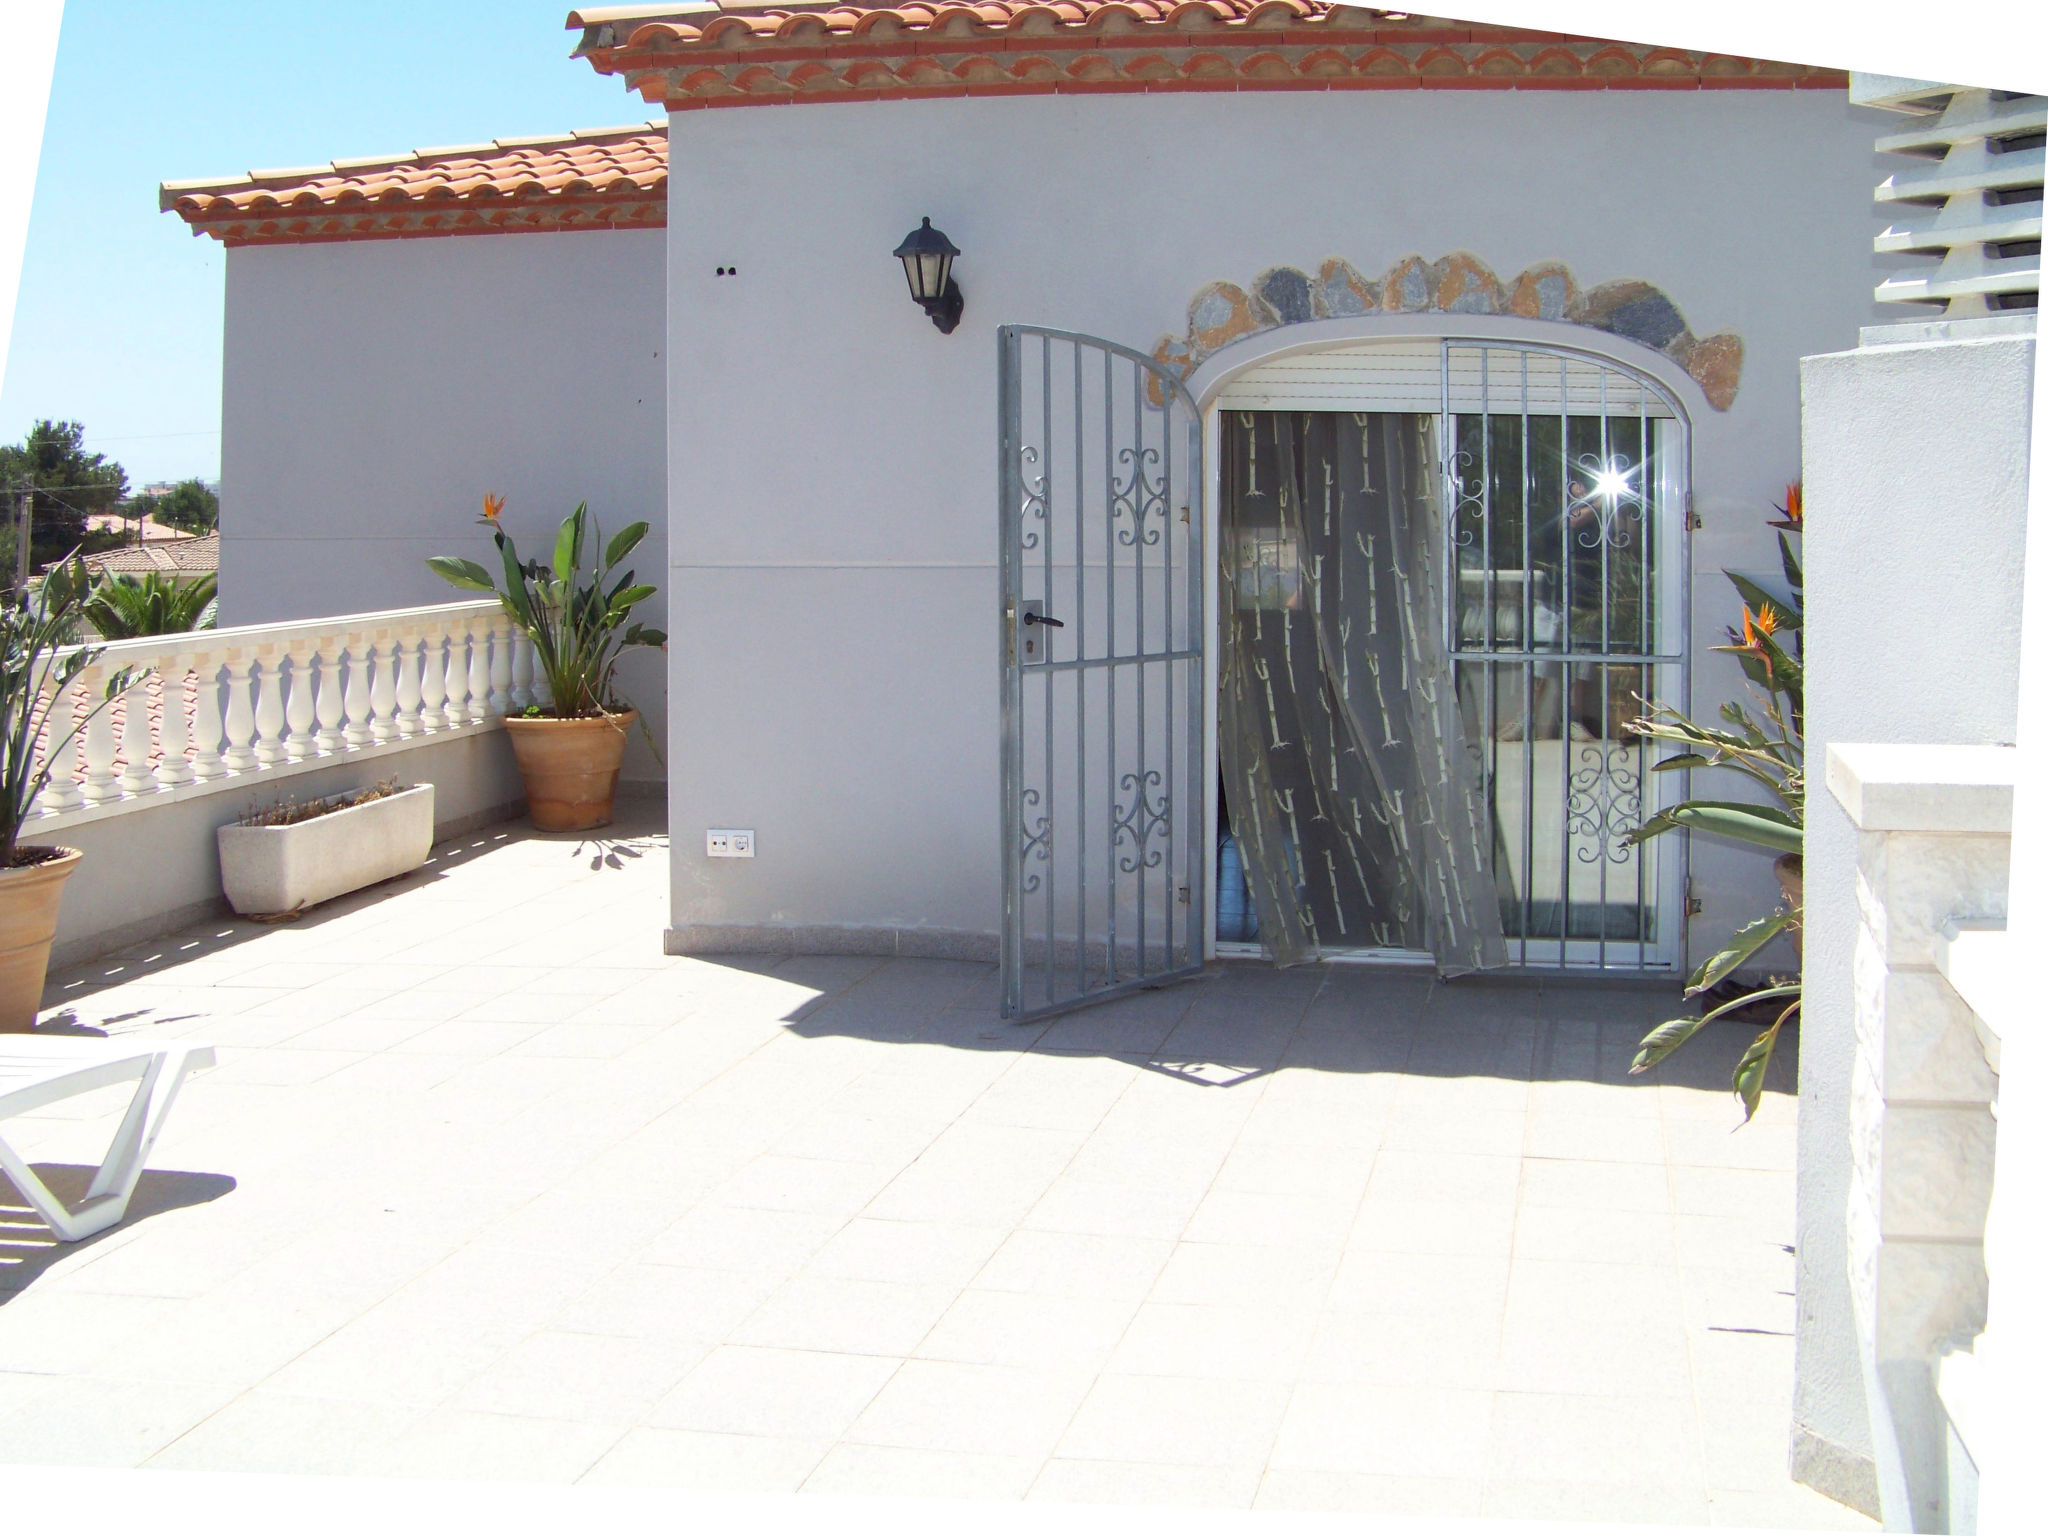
x,y
602,178
713,54
189,556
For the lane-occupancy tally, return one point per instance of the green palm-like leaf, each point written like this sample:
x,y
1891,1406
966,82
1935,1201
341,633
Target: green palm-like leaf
x,y
623,543
1787,613
458,572
1745,941
569,544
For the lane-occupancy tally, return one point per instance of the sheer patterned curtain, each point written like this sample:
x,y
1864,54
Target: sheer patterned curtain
x,y
1354,802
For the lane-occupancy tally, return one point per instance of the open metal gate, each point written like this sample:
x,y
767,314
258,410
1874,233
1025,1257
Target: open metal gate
x,y
1102,576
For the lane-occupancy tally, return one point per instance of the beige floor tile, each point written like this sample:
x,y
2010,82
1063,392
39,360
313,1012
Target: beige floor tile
x,y
1472,1288
906,1252
1256,1343
1615,1442
1788,1508
1113,1209
855,1317
1080,1264
1595,1503
818,1185
1634,1139
583,1378
784,1393
726,1237
100,1421
499,1448
984,1410
1028,1329
675,1458
1066,1481
1240,1274
265,1431
1395,1225
904,1472
1277,1220
1445,1176
1404,1349
1596,1237
1364,1494
1386,1431
1176,1421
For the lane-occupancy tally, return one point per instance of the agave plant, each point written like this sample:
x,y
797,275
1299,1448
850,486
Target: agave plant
x,y
38,663
125,607
577,617
1767,747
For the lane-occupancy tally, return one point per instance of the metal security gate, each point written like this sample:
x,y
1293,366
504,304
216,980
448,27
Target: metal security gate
x,y
1104,883
1565,489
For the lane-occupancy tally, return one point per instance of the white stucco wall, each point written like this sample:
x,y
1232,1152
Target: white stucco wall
x,y
831,455
374,390
1916,484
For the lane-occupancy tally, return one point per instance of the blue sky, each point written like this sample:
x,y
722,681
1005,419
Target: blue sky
x,y
119,319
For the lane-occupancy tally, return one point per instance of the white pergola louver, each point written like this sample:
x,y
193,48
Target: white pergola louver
x,y
1969,195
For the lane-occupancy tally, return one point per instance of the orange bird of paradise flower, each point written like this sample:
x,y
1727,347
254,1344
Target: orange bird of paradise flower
x,y
493,505
1793,513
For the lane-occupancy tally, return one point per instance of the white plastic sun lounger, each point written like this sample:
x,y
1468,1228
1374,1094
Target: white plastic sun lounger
x,y
36,1070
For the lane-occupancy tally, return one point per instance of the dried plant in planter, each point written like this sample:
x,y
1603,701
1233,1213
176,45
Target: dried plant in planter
x,y
287,810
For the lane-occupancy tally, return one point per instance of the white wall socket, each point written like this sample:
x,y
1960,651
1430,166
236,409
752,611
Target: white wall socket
x,y
729,843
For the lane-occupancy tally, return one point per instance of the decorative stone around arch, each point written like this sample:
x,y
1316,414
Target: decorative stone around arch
x,y
1457,284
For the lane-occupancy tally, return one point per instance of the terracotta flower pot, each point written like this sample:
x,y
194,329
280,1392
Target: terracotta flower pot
x,y
571,768
1792,881
29,896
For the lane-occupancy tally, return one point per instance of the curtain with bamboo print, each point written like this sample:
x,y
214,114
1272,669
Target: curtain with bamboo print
x,y
1347,783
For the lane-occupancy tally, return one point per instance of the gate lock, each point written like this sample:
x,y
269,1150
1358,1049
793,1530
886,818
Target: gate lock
x,y
1031,647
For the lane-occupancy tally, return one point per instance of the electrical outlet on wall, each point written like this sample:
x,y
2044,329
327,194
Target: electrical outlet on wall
x,y
729,843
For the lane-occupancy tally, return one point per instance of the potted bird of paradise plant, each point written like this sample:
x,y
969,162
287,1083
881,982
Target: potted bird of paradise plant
x,y
579,617
1767,747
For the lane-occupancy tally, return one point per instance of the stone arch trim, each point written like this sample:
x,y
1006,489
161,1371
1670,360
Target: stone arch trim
x,y
1457,284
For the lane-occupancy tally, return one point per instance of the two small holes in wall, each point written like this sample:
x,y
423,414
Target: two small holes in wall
x,y
728,272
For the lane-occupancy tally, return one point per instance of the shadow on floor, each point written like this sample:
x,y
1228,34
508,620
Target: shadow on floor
x,y
632,837
1243,1020
28,1247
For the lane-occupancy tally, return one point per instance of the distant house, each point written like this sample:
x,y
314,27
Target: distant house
x,y
182,557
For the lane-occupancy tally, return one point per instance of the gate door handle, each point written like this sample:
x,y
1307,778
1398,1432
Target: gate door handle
x,y
1039,618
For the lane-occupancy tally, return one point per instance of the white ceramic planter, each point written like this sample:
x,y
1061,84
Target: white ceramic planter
x,y
281,869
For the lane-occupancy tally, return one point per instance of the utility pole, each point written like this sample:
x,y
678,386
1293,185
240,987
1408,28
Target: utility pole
x,y
23,528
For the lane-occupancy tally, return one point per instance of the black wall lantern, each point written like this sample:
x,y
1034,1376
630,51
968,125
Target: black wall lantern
x,y
927,257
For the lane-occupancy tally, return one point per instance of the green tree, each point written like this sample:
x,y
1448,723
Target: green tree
x,y
188,505
66,485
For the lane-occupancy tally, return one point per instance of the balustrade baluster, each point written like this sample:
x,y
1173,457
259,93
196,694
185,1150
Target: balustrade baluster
x,y
433,680
543,695
356,695
455,701
269,717
136,749
479,669
62,792
101,781
383,695
298,708
241,719
327,705
207,759
408,717
173,734
501,665
522,670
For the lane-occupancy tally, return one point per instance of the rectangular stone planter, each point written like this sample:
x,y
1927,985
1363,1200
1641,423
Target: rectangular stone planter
x,y
282,869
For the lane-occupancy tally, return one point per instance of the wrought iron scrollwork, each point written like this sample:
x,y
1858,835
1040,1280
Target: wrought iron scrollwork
x,y
1033,507
1136,822
1611,490
1605,802
1468,498
1137,497
1037,839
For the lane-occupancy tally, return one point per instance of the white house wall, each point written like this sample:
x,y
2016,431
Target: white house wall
x,y
374,390
831,456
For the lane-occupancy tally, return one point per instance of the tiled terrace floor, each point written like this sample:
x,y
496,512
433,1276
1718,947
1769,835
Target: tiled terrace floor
x,y
486,1186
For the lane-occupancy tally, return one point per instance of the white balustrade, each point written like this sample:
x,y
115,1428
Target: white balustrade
x,y
213,707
